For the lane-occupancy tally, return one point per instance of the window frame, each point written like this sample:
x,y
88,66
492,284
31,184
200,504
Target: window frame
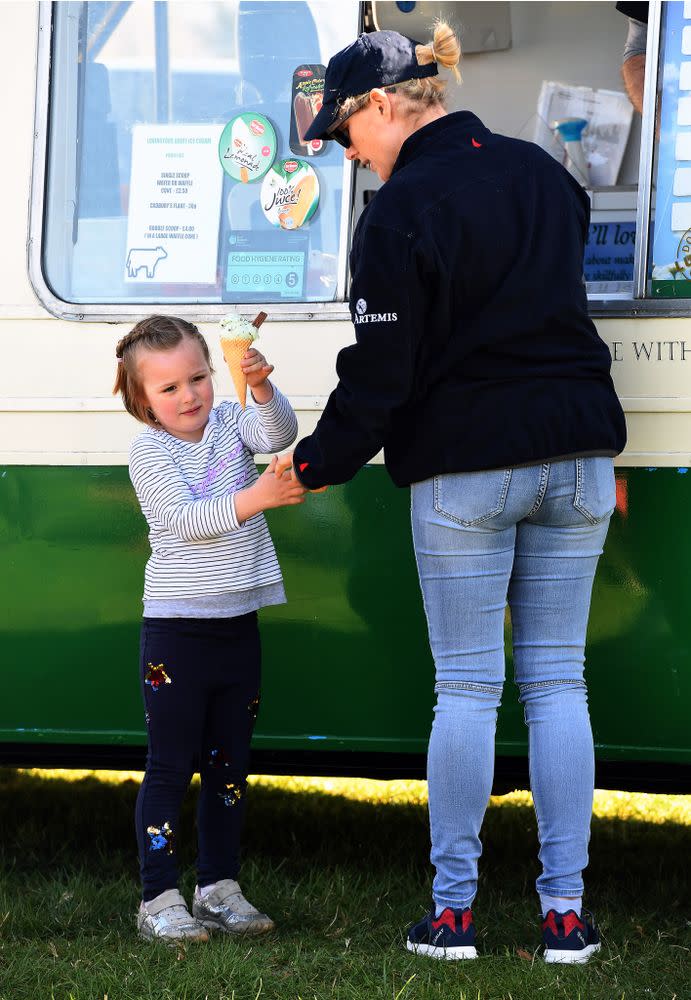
x,y
116,312
638,305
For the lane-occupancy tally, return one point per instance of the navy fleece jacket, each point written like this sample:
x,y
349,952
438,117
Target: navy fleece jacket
x,y
474,348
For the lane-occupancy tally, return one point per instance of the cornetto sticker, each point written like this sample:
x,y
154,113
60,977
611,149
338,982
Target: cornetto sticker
x,y
307,95
247,147
290,194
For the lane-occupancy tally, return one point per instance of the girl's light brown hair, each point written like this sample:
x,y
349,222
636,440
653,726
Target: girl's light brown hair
x,y
444,49
155,333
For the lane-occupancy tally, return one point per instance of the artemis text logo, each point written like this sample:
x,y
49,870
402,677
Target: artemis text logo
x,y
364,317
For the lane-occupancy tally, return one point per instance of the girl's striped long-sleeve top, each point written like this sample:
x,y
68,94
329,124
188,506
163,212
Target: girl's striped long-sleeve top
x,y
204,563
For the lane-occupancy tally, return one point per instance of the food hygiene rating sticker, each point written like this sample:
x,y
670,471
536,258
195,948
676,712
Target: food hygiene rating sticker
x,y
290,194
247,147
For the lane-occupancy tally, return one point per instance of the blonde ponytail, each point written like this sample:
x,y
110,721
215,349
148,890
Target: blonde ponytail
x,y
444,49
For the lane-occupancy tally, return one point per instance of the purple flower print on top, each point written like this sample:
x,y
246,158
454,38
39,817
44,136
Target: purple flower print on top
x,y
200,490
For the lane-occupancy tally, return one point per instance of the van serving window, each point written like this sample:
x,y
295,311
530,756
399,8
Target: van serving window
x,y
670,257
554,73
176,170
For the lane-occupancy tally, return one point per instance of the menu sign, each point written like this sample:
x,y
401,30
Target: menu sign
x,y
174,205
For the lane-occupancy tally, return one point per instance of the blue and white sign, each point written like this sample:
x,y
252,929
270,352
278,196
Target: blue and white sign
x,y
265,266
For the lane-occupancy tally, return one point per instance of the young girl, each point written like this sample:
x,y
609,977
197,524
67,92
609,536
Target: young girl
x,y
212,566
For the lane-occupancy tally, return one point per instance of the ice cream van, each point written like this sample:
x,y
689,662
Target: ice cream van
x,y
155,161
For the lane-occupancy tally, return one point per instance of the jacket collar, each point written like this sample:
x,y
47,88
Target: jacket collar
x,y
462,123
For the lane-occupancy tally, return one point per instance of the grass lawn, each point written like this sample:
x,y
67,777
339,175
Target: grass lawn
x,y
342,867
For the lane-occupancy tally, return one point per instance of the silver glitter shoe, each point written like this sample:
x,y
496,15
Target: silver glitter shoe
x,y
167,918
226,909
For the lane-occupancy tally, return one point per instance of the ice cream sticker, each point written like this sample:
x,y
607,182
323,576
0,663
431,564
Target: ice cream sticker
x,y
290,194
307,98
247,147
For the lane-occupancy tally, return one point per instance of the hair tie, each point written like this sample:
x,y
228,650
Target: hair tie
x,y
119,360
434,54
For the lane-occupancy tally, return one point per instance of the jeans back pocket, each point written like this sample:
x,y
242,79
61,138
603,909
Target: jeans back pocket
x,y
596,494
469,498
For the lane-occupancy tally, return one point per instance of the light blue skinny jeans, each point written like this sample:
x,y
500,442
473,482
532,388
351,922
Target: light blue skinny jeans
x,y
531,536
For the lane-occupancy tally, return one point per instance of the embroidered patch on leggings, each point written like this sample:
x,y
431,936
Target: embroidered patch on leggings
x,y
162,838
232,794
156,676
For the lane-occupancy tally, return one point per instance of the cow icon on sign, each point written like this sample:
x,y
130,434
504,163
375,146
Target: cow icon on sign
x,y
144,257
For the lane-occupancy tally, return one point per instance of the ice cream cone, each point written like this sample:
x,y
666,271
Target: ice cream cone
x,y
235,346
234,350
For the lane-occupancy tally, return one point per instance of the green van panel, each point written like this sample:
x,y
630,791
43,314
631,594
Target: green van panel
x,y
346,661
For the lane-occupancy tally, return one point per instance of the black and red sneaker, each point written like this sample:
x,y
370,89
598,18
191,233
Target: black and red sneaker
x,y
568,937
451,935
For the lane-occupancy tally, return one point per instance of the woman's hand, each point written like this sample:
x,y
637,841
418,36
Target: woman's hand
x,y
285,463
270,490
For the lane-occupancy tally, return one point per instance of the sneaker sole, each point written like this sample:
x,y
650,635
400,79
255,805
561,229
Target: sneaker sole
x,y
173,941
253,930
571,957
448,954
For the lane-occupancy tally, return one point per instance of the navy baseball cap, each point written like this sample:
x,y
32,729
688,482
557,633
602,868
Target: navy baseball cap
x,y
374,59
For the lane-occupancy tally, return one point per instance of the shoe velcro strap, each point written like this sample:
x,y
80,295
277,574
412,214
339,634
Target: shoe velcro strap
x,y
228,891
171,897
228,887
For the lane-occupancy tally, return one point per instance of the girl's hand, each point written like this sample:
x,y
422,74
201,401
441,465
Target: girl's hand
x,y
255,367
270,490
285,464
276,490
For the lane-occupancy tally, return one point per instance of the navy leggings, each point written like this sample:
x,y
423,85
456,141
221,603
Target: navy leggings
x,y
200,684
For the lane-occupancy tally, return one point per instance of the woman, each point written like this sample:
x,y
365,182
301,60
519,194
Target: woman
x,y
478,370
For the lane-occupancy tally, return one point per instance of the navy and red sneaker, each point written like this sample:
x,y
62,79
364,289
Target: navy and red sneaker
x,y
568,937
451,935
